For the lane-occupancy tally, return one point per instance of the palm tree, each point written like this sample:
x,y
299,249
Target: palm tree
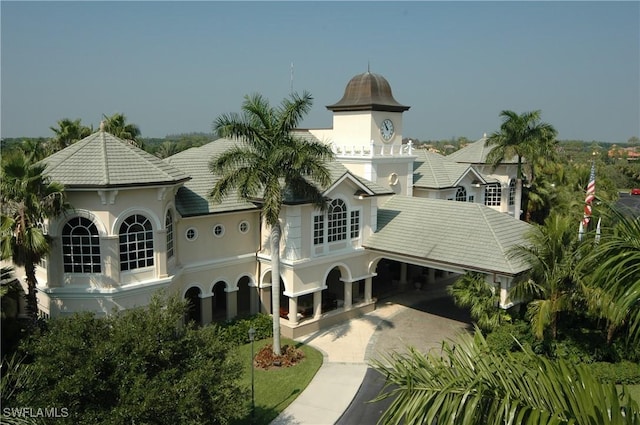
x,y
68,132
28,199
117,125
268,165
613,267
472,291
166,149
523,136
551,281
469,384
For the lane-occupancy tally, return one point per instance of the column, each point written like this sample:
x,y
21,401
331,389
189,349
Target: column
x,y
317,304
431,276
293,310
206,303
368,284
348,295
232,304
403,275
160,241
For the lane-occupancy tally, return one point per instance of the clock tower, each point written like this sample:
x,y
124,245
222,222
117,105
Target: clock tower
x,y
367,133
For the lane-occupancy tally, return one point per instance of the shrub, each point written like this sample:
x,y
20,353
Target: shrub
x,y
624,373
236,331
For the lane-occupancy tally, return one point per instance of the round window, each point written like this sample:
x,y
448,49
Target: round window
x,y
218,230
243,227
393,179
191,234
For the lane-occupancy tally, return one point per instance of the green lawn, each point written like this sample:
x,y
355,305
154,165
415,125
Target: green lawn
x,y
634,390
275,389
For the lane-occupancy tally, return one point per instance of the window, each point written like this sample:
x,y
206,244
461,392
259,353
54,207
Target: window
x,y
492,195
337,221
191,234
471,198
318,229
168,225
512,192
80,246
136,243
218,230
243,227
355,224
461,194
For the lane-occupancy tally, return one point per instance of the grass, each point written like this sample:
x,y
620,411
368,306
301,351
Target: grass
x,y
275,389
634,391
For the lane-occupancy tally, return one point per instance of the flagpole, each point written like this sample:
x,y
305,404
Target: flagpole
x,y
590,196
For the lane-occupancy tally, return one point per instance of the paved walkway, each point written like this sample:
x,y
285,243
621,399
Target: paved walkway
x,y
422,319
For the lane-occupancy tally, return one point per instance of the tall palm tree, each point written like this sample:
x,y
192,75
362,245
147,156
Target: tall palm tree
x,y
28,199
68,132
551,282
117,125
468,384
523,136
269,164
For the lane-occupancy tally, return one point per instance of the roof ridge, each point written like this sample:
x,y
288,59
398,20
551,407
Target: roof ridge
x,y
495,238
105,157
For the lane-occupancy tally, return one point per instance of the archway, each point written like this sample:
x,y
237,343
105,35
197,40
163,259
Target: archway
x,y
194,309
245,306
333,296
219,302
284,300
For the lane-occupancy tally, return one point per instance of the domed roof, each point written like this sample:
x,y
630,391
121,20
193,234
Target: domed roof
x,y
368,92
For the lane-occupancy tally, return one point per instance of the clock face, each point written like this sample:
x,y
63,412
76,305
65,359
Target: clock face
x,y
386,129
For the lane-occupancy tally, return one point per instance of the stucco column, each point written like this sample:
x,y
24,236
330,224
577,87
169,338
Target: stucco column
x,y
431,275
265,300
161,253
205,308
232,304
348,295
110,247
293,310
368,284
254,296
55,269
403,275
317,304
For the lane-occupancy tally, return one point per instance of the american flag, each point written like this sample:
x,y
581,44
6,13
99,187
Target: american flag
x,y
591,194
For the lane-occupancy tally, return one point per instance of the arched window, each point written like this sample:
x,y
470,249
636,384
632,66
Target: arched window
x,y
492,195
168,224
512,192
337,221
81,246
136,243
461,194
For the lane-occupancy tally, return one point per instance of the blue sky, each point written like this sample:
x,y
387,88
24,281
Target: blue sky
x,y
173,67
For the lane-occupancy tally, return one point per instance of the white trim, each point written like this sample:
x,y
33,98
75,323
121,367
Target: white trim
x,y
195,234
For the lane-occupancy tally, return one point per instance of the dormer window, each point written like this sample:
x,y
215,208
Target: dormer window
x,y
461,194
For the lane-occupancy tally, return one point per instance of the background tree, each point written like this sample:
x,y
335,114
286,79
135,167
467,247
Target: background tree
x,y
28,199
135,366
523,136
166,149
470,384
117,125
268,164
68,132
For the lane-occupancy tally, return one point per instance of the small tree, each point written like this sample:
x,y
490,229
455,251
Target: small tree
x,y
473,291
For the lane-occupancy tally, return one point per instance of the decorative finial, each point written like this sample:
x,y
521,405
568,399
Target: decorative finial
x,y
102,125
368,67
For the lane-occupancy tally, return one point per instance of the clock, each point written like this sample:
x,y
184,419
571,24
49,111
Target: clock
x,y
386,130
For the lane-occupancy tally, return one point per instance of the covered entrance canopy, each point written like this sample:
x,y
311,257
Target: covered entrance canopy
x,y
449,235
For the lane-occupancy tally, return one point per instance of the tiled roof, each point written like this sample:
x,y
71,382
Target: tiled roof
x,y
465,234
103,160
193,198
476,153
432,170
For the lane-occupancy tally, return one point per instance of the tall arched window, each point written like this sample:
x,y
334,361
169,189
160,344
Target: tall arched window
x,y
461,194
168,225
81,246
512,192
136,243
337,221
492,195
